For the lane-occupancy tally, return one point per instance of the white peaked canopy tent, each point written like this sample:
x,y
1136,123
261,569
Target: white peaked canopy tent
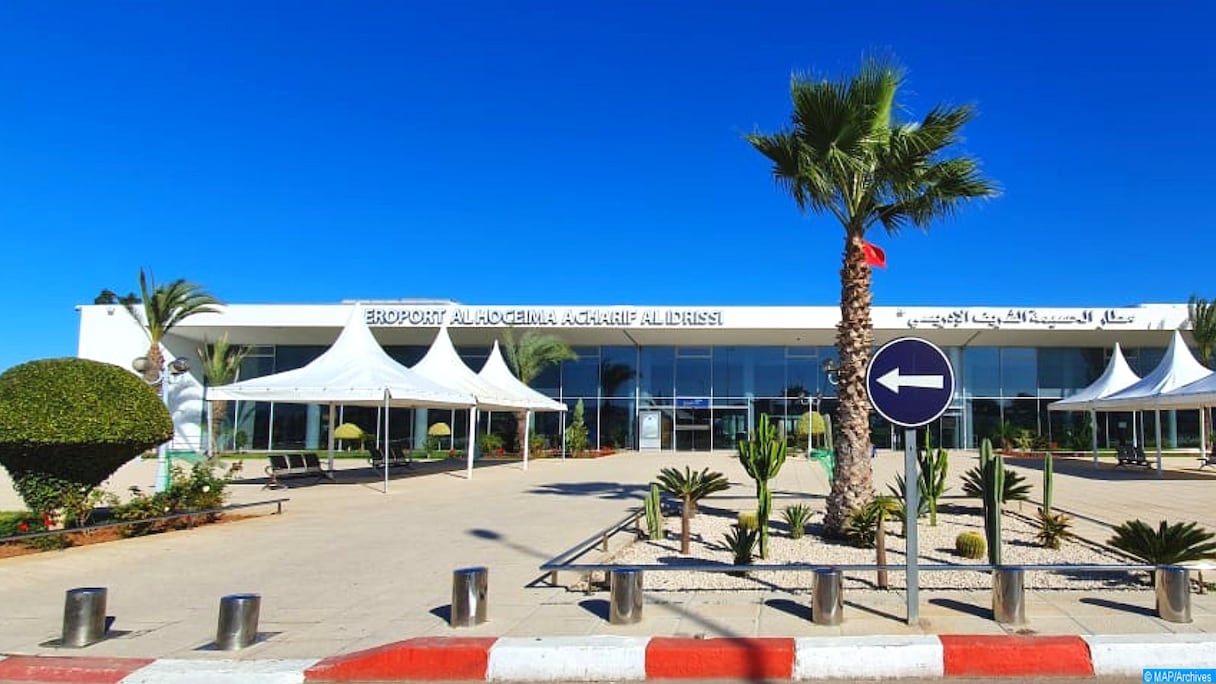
x,y
1177,368
496,372
354,371
443,365
1117,376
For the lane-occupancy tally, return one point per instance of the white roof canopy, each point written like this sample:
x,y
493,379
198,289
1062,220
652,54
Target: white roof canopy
x,y
1177,368
354,371
1117,376
442,365
496,372
1198,394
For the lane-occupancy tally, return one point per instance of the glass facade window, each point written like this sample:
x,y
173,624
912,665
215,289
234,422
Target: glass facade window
x,y
657,368
1019,372
618,371
982,371
712,396
692,376
581,378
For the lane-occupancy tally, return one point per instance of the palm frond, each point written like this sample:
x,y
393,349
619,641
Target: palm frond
x,y
533,352
1202,316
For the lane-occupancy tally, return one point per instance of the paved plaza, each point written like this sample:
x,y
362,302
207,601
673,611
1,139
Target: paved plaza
x,y
347,567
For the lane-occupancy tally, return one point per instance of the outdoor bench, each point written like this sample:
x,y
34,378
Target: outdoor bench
x,y
1131,455
284,466
396,457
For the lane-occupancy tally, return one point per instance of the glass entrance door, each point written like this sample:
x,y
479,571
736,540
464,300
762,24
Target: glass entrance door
x,y
692,425
729,426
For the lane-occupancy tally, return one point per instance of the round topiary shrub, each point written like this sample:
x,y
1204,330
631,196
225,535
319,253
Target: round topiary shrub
x,y
970,545
68,424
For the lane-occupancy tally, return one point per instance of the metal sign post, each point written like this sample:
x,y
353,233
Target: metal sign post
x,y
910,383
911,503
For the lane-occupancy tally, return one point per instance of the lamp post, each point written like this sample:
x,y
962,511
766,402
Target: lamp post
x,y
176,368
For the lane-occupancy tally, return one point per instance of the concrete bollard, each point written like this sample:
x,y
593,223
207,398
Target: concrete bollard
x,y
827,597
469,589
84,616
1009,596
625,596
238,622
1173,593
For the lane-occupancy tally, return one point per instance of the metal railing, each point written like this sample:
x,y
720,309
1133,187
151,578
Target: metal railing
x,y
278,503
562,560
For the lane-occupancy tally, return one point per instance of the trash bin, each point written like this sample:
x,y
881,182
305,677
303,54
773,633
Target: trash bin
x,y
84,616
1173,593
1009,596
469,589
625,596
827,599
237,626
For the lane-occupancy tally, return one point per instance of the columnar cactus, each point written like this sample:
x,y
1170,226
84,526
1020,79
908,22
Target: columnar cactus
x,y
1048,483
993,469
762,457
654,514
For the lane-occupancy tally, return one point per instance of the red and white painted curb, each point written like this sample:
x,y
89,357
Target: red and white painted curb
x,y
618,658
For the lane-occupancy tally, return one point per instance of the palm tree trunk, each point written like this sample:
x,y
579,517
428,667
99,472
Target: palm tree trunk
x,y
854,342
152,371
685,532
521,430
219,411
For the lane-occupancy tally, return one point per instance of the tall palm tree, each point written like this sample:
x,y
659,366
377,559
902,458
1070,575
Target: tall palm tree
x,y
846,154
1202,315
163,307
528,356
221,365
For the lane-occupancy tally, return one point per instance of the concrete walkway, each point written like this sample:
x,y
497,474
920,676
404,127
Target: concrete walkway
x,y
347,567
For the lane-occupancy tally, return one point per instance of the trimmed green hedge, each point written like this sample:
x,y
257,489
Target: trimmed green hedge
x,y
68,424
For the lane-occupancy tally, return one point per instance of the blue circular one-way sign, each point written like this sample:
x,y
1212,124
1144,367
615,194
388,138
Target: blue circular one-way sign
x,y
910,381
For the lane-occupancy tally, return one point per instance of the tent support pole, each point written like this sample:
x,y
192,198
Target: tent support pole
x,y
385,452
1160,472
472,439
1203,438
331,440
1093,423
527,442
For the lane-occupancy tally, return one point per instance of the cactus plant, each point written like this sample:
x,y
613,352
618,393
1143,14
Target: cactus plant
x,y
762,457
749,520
1048,483
993,469
797,516
654,513
934,466
970,545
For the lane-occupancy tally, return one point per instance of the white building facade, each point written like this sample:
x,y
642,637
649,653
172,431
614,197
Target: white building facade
x,y
699,377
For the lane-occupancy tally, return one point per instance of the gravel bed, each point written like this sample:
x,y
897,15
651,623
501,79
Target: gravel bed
x,y
935,544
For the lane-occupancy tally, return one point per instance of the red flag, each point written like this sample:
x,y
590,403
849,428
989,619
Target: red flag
x,y
874,254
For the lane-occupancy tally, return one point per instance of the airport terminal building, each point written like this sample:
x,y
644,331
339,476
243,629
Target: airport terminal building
x,y
703,375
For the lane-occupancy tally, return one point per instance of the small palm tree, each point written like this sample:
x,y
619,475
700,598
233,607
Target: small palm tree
x,y
1168,545
221,365
163,307
847,154
528,356
690,488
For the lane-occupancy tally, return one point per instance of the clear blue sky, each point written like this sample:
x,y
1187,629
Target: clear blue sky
x,y
578,152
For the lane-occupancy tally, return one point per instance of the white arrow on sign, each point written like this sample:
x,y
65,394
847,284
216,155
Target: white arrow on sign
x,y
892,380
